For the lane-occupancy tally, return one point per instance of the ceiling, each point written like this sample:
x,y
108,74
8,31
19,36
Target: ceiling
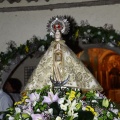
x,y
31,5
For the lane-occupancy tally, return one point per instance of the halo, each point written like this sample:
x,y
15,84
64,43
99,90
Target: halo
x,y
58,23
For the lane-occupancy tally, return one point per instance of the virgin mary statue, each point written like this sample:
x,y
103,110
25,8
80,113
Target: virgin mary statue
x,y
59,66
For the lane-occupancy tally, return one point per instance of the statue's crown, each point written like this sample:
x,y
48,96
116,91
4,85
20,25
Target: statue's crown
x,y
58,23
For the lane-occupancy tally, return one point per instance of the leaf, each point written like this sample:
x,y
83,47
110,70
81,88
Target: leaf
x,y
25,115
17,116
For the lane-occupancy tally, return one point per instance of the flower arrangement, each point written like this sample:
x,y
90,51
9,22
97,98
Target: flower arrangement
x,y
63,104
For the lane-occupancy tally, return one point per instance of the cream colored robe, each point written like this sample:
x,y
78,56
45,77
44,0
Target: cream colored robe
x,y
79,75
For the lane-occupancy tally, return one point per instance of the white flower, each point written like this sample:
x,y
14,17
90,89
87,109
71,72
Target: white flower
x,y
95,118
61,100
50,111
118,32
114,41
18,110
34,103
99,33
108,113
64,106
51,34
72,105
115,111
110,44
22,56
27,119
83,108
85,33
58,118
42,48
97,94
11,118
111,37
38,110
75,115
94,101
71,113
89,30
111,105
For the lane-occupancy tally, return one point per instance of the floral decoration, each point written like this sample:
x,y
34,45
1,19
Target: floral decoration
x,y
96,35
63,104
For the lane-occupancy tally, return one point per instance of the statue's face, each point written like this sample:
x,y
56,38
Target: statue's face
x,y
57,35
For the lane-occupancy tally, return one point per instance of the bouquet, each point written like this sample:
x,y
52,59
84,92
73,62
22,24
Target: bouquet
x,y
63,104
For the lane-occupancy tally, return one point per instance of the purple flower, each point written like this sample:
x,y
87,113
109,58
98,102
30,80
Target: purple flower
x,y
28,110
50,98
37,117
34,96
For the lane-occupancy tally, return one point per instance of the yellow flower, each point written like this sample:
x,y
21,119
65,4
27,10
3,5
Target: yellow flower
x,y
24,93
77,34
26,48
118,43
24,98
18,103
71,95
89,108
119,114
95,113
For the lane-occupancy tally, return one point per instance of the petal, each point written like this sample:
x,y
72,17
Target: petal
x,y
55,97
47,100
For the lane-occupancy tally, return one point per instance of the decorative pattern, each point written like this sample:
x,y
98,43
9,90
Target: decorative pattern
x,y
80,77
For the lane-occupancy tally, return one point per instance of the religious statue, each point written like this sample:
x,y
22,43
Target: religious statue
x,y
59,66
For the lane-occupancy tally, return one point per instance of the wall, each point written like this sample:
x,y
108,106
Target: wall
x,y
20,26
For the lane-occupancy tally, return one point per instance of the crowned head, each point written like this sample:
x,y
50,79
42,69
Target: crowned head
x,y
57,26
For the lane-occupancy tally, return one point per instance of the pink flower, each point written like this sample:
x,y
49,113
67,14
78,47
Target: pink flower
x,y
34,96
28,110
37,117
50,98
